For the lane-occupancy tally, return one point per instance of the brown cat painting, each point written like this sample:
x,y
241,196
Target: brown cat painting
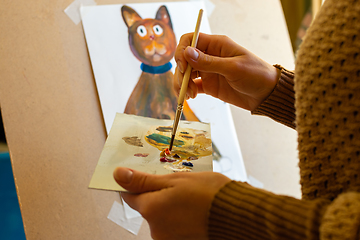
x,y
153,42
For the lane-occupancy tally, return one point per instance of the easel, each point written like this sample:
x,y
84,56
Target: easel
x,y
53,122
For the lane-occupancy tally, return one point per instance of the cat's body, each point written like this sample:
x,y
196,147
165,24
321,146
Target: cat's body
x,y
151,96
153,42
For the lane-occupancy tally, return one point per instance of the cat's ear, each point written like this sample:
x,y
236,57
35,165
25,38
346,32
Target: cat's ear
x,y
129,15
163,15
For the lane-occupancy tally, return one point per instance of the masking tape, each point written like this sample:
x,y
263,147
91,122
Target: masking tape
x,y
129,212
73,10
118,216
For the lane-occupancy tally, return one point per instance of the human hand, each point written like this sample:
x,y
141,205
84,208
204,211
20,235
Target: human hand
x,y
176,206
227,71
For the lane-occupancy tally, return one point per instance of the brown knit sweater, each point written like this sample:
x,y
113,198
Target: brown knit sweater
x,y
326,95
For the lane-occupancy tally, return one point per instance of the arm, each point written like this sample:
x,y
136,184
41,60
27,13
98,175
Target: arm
x,y
240,211
258,214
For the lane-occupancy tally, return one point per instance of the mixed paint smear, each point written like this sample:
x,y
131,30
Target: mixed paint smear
x,y
157,139
189,145
135,141
164,129
141,154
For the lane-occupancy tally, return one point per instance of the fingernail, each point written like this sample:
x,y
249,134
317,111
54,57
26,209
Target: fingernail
x,y
180,66
123,175
192,53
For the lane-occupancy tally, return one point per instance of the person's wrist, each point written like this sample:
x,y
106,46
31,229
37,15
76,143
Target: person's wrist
x,y
271,78
276,73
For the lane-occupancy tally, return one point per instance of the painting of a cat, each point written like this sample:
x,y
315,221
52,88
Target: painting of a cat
x,y
153,43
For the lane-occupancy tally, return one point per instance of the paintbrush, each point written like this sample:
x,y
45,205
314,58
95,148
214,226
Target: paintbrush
x,y
185,83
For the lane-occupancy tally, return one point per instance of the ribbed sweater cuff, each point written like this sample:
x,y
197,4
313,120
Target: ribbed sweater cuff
x,y
280,104
240,211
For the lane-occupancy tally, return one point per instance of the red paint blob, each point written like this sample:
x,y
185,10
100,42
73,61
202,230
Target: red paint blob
x,y
141,154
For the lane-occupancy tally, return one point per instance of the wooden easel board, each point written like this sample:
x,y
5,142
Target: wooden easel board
x,y
52,117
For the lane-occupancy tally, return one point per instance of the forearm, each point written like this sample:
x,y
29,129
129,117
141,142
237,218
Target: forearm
x,y
240,211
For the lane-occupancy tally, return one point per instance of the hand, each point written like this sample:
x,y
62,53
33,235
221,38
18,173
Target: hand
x,y
227,71
176,206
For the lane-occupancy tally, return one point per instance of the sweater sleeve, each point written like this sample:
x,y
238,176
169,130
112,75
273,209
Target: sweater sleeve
x,y
240,211
280,103
342,218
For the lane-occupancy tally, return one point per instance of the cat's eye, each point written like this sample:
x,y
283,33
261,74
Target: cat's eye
x,y
158,30
141,30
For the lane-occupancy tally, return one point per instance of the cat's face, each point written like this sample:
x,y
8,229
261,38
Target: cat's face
x,y
152,41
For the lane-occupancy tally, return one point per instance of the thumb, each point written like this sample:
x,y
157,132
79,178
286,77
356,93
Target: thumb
x,y
204,62
138,182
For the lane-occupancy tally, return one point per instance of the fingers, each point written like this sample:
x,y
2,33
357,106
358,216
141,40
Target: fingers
x,y
218,46
203,41
200,61
198,83
207,63
185,41
192,89
203,64
139,182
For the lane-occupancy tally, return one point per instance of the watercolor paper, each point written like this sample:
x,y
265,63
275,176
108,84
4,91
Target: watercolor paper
x,y
192,137
118,70
115,67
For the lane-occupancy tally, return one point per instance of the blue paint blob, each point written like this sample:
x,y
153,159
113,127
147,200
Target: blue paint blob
x,y
188,164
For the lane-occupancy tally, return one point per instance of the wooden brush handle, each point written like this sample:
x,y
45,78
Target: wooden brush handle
x,y
185,82
187,74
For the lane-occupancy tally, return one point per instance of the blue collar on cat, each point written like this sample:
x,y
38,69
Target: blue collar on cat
x,y
156,70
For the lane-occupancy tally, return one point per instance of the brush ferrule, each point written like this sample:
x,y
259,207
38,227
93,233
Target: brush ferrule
x,y
177,118
179,108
